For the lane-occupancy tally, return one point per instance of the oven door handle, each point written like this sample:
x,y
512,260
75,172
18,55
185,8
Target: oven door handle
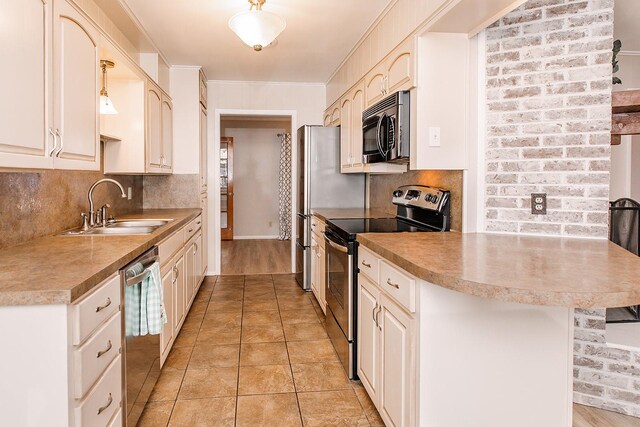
x,y
335,245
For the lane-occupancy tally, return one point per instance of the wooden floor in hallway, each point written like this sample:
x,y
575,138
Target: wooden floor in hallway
x,y
255,256
253,352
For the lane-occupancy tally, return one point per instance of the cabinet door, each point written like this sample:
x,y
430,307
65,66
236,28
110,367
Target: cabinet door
x,y
179,292
357,107
204,251
400,67
154,129
198,273
167,291
327,118
335,115
314,264
203,149
167,134
396,364
25,81
374,87
368,336
322,279
76,89
345,133
190,265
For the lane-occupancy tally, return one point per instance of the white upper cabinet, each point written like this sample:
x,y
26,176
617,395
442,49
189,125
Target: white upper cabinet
x,y
345,134
154,129
76,89
25,84
396,72
50,117
441,108
167,134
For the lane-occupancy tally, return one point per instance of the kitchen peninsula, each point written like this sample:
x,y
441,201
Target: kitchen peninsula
x,y
477,329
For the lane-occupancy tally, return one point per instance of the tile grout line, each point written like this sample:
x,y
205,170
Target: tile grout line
x,y
235,418
293,378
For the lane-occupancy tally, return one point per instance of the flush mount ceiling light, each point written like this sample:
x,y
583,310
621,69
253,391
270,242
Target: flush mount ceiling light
x,y
106,106
255,27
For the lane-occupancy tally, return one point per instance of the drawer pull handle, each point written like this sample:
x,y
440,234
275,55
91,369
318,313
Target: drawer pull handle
x,y
102,409
198,222
365,264
390,283
106,350
102,307
190,230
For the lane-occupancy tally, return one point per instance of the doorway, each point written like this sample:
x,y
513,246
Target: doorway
x,y
255,231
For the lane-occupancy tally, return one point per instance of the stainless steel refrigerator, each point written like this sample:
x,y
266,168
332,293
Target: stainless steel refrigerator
x,y
320,185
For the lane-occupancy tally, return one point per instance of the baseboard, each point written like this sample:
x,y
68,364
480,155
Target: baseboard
x,y
271,237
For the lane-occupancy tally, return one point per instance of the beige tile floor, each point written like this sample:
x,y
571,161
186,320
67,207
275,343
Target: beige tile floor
x,y
253,352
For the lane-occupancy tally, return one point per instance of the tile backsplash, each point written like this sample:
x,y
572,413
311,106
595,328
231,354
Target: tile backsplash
x,y
35,204
381,187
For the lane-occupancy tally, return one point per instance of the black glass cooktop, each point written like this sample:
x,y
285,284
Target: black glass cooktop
x,y
348,228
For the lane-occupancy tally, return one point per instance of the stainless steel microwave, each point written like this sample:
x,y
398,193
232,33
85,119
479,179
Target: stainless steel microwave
x,y
385,130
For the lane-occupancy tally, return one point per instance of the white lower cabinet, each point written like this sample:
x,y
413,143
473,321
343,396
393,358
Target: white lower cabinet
x,y
396,360
318,262
64,364
182,274
386,353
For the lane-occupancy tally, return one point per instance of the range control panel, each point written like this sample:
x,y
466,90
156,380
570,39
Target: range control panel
x,y
421,196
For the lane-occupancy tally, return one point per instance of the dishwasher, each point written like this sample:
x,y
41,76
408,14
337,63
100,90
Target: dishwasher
x,y
141,353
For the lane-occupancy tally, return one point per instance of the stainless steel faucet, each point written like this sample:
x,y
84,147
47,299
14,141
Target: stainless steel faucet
x,y
92,213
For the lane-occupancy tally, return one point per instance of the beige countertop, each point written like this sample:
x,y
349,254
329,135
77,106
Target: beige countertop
x,y
328,213
531,270
60,269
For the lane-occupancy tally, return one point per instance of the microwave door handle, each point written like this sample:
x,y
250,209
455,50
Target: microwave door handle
x,y
378,141
393,132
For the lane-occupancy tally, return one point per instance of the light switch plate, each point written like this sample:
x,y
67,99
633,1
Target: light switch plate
x,y
434,137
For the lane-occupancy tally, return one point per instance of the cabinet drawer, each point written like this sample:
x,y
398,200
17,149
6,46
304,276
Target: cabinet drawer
x,y
191,228
94,309
170,246
397,284
93,357
368,263
97,409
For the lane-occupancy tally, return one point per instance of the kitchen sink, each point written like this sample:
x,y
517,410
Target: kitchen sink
x,y
126,223
121,227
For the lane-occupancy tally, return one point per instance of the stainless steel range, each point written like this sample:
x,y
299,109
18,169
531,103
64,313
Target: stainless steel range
x,y
419,209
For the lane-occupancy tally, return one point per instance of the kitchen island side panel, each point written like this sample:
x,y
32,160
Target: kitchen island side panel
x,y
488,363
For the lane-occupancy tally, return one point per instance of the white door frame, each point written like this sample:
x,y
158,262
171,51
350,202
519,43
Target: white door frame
x,y
214,181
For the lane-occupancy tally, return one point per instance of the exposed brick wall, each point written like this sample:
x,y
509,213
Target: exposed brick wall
x,y
549,114
604,377
549,117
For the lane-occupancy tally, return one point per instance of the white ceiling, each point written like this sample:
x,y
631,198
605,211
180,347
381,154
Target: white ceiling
x,y
626,18
319,35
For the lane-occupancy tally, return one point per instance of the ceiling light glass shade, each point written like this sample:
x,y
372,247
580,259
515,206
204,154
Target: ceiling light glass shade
x,y
106,106
257,28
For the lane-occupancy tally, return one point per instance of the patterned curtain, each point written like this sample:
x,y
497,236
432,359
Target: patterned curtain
x,y
285,186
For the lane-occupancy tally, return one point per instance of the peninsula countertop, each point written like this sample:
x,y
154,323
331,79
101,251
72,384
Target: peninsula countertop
x,y
61,269
565,272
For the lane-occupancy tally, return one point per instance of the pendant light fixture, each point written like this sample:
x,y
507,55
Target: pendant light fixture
x,y
106,106
255,27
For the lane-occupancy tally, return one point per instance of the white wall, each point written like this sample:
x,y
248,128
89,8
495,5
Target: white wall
x,y
185,94
256,167
303,102
625,158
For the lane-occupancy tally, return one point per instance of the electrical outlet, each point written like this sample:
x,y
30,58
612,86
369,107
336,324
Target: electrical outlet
x,y
539,203
129,193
